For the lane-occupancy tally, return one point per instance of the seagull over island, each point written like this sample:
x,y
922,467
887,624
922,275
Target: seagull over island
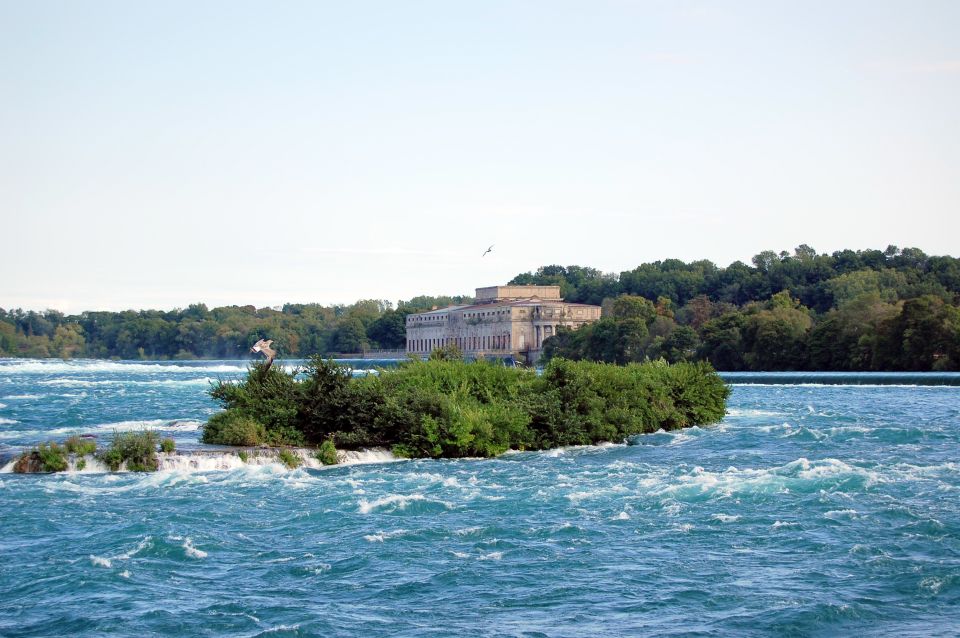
x,y
263,347
488,250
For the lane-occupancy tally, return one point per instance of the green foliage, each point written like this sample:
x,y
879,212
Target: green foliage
x,y
720,304
167,446
137,449
233,428
327,453
53,458
46,457
447,352
442,408
80,446
290,459
244,456
81,464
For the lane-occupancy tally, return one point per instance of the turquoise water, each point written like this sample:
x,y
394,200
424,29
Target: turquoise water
x,y
813,509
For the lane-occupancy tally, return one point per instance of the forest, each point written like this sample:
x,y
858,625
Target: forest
x,y
892,309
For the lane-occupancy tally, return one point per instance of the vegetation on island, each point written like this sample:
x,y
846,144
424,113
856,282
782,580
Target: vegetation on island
x,y
137,451
893,309
450,408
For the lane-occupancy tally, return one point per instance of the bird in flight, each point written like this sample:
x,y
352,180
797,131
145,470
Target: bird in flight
x,y
263,347
488,250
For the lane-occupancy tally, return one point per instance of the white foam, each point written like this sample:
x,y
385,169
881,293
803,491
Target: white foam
x,y
100,561
177,425
85,383
192,551
2,405
835,514
39,366
932,584
736,412
361,457
7,421
400,500
23,397
492,556
279,628
726,518
622,516
144,543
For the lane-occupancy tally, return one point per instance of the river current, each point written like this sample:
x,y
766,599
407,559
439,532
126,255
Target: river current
x,y
819,506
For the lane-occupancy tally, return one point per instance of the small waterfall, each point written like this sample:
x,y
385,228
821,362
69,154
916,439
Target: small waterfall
x,y
223,459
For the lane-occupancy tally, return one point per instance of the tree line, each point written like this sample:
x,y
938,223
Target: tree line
x,y
893,309
298,330
849,311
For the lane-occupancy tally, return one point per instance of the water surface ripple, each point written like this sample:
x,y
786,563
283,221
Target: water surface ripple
x,y
810,510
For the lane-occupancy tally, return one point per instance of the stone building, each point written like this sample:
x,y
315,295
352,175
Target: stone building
x,y
505,321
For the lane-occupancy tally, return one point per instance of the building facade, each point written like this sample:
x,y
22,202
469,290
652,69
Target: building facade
x,y
505,321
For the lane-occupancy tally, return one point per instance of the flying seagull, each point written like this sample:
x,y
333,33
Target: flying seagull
x,y
263,347
488,250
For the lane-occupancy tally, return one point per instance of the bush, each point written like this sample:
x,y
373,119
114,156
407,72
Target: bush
x,y
53,458
290,459
232,427
79,445
327,453
137,449
46,457
449,408
243,455
167,446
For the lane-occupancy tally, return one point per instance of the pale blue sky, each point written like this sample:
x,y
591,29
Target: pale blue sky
x,y
159,154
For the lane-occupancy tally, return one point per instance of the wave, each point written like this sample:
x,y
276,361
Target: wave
x,y
802,475
901,379
4,421
398,502
163,425
189,462
84,383
38,366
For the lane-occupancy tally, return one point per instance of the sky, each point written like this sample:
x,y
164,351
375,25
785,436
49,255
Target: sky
x,y
158,154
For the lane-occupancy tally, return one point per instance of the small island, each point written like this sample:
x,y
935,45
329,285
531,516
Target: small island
x,y
442,407
448,408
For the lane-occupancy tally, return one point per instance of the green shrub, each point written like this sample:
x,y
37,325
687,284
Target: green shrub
x,y
232,427
53,458
46,457
81,464
137,449
243,455
167,446
450,408
327,453
79,445
290,459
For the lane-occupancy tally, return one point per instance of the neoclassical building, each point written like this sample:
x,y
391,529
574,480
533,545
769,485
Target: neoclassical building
x,y
504,321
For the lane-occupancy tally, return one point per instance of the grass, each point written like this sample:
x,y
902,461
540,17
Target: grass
x,y
327,453
80,446
138,450
290,459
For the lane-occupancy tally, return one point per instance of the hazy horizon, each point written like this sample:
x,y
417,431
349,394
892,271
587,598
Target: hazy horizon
x,y
158,155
